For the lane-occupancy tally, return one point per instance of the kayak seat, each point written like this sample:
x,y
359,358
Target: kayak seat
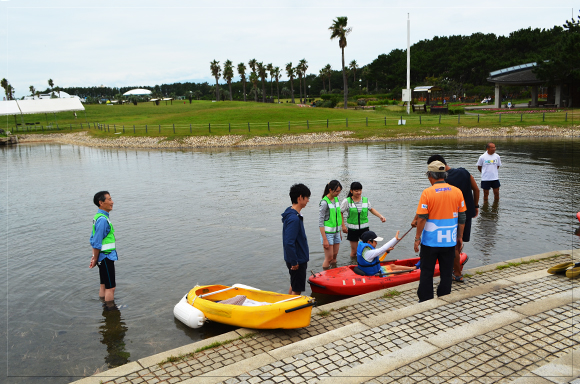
x,y
358,271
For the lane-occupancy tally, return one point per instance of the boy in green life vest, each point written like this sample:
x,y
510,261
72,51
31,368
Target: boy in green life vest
x,y
104,249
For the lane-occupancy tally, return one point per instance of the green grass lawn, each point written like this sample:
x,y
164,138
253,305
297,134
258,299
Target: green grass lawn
x,y
222,118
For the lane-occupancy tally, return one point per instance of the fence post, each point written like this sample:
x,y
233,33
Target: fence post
x,y
248,126
566,117
347,122
521,117
190,128
543,116
419,119
108,129
123,129
367,121
209,127
307,125
70,127
173,127
385,121
401,120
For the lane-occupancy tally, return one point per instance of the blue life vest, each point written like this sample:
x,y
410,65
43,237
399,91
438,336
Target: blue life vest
x,y
369,268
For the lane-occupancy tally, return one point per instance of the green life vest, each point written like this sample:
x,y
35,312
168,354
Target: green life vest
x,y
356,219
109,240
334,222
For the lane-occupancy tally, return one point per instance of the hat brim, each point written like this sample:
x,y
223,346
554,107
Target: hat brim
x,y
377,239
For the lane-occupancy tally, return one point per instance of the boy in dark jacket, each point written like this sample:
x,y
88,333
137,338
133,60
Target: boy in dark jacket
x,y
296,252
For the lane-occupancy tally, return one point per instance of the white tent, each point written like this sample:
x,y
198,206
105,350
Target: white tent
x,y
17,107
9,107
50,105
137,92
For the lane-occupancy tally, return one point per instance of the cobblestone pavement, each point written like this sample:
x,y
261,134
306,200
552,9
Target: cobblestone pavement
x,y
343,354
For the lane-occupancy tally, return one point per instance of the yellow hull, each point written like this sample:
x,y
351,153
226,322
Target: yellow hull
x,y
290,314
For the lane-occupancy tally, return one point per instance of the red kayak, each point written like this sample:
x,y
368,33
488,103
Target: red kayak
x,y
345,282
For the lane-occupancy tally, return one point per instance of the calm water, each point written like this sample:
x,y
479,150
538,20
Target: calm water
x,y
213,216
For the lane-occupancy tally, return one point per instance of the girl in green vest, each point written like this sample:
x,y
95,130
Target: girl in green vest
x,y
355,210
329,222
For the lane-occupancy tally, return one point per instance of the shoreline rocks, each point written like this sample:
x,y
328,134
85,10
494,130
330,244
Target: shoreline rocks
x,y
82,138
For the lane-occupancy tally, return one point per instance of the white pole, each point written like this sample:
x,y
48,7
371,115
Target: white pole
x,y
408,63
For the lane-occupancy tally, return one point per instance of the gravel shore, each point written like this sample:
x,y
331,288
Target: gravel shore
x,y
82,138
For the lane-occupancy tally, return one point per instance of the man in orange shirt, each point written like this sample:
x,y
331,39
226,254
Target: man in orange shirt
x,y
440,220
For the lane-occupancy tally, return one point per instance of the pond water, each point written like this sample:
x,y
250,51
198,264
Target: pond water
x,y
213,216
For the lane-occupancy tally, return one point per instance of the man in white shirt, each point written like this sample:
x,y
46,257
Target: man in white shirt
x,y
488,164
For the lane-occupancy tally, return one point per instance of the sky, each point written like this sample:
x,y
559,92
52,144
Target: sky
x,y
138,43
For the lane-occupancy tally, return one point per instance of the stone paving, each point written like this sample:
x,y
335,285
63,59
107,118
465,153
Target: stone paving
x,y
345,353
335,357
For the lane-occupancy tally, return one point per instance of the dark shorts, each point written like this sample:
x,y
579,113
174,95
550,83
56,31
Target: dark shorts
x,y
354,234
467,230
297,277
490,184
107,273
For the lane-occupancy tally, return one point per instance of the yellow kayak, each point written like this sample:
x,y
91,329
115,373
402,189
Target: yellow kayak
x,y
251,308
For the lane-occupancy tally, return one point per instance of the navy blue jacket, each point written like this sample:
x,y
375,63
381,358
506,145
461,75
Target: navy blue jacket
x,y
294,238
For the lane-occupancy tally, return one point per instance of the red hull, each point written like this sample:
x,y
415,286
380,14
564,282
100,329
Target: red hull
x,y
343,281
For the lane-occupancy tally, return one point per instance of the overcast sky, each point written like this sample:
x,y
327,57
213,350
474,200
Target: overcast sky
x,y
132,43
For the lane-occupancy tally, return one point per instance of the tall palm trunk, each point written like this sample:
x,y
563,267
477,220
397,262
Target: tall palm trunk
x,y
300,86
244,85
217,90
278,90
263,91
345,82
292,89
230,86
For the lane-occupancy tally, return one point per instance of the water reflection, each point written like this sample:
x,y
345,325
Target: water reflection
x,y
113,330
487,224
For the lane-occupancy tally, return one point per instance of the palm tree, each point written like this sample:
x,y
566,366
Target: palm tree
x,y
51,84
322,75
7,88
299,73
290,72
328,70
242,73
353,66
254,81
303,64
277,77
216,72
262,72
228,75
32,90
252,64
339,31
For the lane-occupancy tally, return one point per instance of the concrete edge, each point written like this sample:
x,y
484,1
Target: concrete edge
x,y
367,296
476,291
540,256
565,368
549,302
470,330
383,364
189,348
316,341
518,279
232,370
123,370
401,313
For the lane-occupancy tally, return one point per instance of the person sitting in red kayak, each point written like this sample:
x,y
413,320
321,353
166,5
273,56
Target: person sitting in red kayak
x,y
367,255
